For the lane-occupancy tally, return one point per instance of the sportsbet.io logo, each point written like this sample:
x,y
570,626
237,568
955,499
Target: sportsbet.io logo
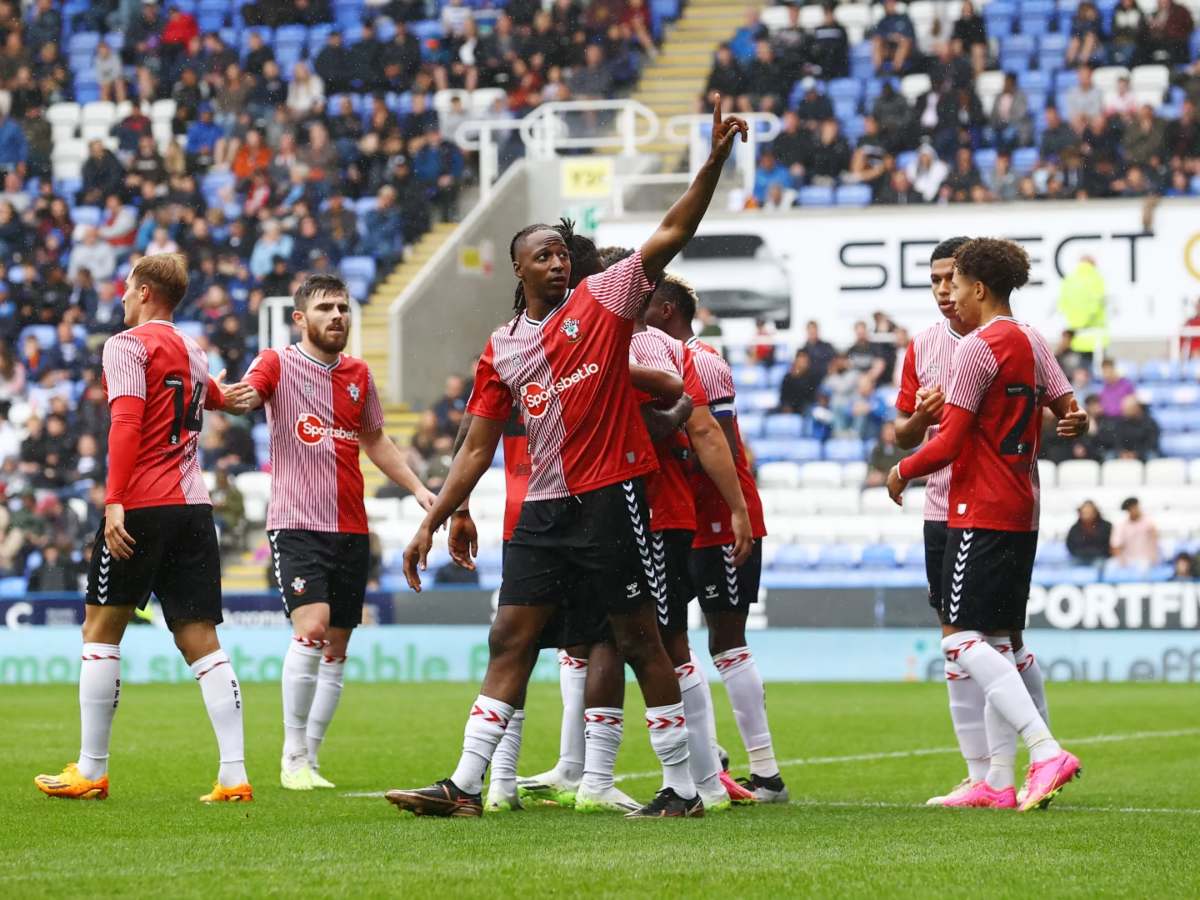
x,y
311,430
536,399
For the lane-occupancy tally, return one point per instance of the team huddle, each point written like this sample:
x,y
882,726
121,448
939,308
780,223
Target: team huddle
x,y
629,493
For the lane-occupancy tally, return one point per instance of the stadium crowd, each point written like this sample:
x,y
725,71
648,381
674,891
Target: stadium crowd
x,y
1034,101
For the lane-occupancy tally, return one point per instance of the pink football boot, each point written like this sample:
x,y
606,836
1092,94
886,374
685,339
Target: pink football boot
x,y
1045,779
981,795
737,793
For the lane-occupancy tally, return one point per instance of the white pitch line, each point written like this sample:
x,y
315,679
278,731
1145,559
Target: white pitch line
x,y
868,804
934,751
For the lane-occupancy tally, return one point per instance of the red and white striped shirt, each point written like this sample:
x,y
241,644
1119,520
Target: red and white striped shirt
x,y
570,373
158,363
1006,374
668,491
927,364
714,522
316,413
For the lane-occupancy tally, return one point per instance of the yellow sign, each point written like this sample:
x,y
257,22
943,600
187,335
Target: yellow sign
x,y
587,177
1191,256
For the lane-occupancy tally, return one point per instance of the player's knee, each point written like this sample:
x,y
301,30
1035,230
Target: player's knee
x,y
311,631
506,642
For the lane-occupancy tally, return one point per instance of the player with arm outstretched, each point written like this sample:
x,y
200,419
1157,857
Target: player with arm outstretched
x,y
1004,375
565,358
322,407
158,534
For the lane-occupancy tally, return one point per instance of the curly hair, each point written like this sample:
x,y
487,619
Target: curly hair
x,y
947,248
1002,266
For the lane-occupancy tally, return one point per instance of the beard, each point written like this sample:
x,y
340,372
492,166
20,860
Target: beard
x,y
332,342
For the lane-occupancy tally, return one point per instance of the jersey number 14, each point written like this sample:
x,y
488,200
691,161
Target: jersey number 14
x,y
191,418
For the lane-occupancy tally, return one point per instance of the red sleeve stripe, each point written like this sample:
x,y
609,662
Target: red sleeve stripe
x,y
716,377
125,360
974,369
620,288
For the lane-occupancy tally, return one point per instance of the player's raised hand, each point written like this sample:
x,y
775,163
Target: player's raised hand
x,y
119,541
1074,423
463,540
415,555
743,537
725,132
896,486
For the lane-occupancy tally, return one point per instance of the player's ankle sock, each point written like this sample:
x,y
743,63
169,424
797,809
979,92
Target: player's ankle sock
x,y
223,699
99,693
504,760
299,684
324,704
966,712
1031,674
603,728
572,676
744,685
1001,736
711,721
1003,687
485,727
669,738
702,754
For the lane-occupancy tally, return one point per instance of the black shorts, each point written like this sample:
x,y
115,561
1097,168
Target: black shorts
x,y
985,578
935,550
595,546
722,586
322,567
175,556
671,550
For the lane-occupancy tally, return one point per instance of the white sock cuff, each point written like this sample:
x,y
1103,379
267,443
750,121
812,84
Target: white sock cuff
x,y
517,716
730,661
1024,658
689,676
573,666
492,712
312,644
660,718
955,672
206,664
93,651
1002,643
327,660
955,645
604,715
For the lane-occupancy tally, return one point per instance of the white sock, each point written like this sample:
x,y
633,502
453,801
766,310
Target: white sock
x,y
1001,736
702,754
966,712
1031,674
99,693
485,727
299,684
749,700
572,676
324,704
603,728
504,760
223,699
711,721
1003,688
669,738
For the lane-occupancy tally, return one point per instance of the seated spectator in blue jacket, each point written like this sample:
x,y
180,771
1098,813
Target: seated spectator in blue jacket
x,y
439,165
14,149
892,40
769,172
385,229
202,137
747,36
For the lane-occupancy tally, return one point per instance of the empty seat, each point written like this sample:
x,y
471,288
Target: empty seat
x,y
1047,474
1078,473
835,501
1166,473
1106,77
853,195
483,99
795,556
779,474
1122,473
838,556
854,473
816,195
913,86
1150,78
878,556
63,114
162,110
784,425
845,449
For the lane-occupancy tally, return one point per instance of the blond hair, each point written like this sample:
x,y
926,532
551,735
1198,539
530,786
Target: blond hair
x,y
166,274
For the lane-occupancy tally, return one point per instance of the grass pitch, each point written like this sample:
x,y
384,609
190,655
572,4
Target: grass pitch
x,y
855,827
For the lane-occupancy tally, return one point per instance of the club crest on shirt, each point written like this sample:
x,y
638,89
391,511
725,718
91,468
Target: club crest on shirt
x,y
570,327
934,370
308,389
298,586
355,393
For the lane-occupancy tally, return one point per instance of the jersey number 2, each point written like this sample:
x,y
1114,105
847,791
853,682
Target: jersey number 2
x,y
1013,445
191,418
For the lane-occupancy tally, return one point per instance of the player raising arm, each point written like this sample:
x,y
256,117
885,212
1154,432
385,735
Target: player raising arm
x,y
158,533
1004,374
322,407
565,358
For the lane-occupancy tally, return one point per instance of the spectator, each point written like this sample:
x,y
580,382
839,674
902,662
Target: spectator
x,y
1089,540
1002,181
1145,139
453,403
820,352
926,173
708,325
1170,29
1085,45
1133,434
892,40
829,49
92,254
1082,302
885,454
335,65
964,181
892,112
1182,139
1129,33
1189,343
56,573
969,37
865,412
793,146
1084,99
593,81
1010,123
226,446
800,386
1116,388
814,107
229,511
830,155
1135,538
385,228
726,76
161,242
1184,566
306,93
1122,103
746,38
768,173
1057,136
767,82
272,244
14,148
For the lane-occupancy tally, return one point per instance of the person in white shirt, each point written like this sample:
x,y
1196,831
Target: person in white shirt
x,y
1135,538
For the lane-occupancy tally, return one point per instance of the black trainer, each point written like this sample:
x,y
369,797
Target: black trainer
x,y
441,799
767,790
669,805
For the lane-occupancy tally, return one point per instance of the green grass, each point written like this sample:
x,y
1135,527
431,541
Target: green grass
x,y
853,829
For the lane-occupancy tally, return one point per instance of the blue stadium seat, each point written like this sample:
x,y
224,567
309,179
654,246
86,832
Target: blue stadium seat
x,y
784,425
1158,370
845,108
348,14
359,267
803,450
854,128
1185,394
13,586
291,34
46,335
985,159
1181,444
1191,369
904,157
774,450
749,376
244,38
86,215
1066,79
1195,184
778,370
879,556
750,424
816,195
845,450
853,195
211,20
845,88
998,17
1053,553
794,556
1024,159
762,400
1033,80
317,35
838,556
83,42
86,91
1174,418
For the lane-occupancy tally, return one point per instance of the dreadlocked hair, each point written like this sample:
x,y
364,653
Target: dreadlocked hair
x,y
519,301
585,259
1002,266
612,255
